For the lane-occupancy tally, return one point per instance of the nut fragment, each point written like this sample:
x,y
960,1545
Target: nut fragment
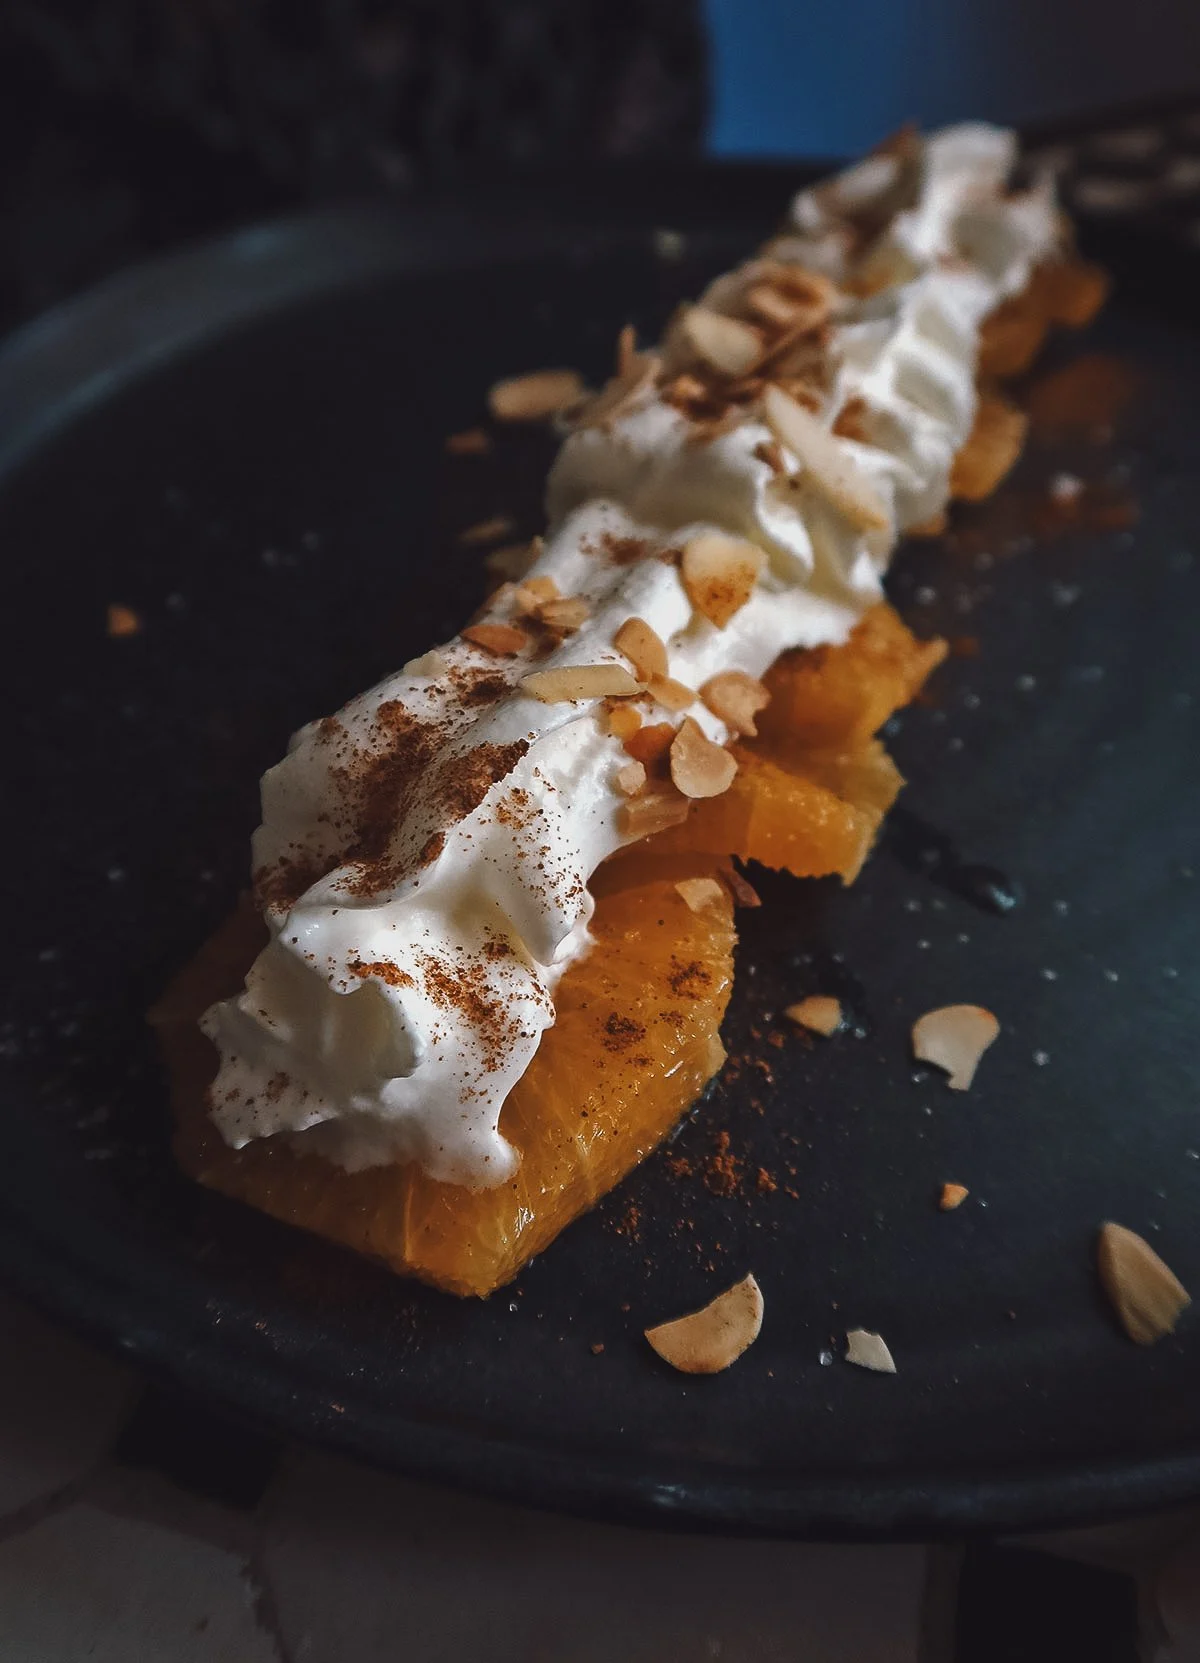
x,y
698,767
531,398
671,694
429,664
513,560
501,639
744,894
708,1340
818,1013
621,392
652,811
952,1196
719,574
727,345
630,778
486,531
580,681
736,698
643,648
954,1037
868,1351
699,893
564,616
474,442
651,743
122,620
533,593
623,721
828,467
626,349
1147,1296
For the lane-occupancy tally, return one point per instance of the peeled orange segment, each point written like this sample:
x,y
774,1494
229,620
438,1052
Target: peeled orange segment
x,y
993,446
839,696
1068,292
634,1044
808,813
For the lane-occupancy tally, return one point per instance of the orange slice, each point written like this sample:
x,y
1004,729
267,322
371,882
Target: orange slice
x,y
1068,292
634,1044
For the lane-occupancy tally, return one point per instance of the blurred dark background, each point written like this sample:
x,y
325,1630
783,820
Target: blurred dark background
x,y
127,126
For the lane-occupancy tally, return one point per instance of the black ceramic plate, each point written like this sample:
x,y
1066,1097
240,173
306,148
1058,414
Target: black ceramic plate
x,y
245,446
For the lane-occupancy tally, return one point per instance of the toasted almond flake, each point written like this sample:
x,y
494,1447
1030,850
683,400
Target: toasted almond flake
x,y
501,639
626,349
671,694
770,451
736,698
486,531
643,648
698,767
531,398
744,894
708,1340
1146,1295
122,620
827,465
621,392
868,1351
534,592
630,778
623,721
818,1013
580,681
651,743
563,616
429,664
474,442
954,1037
514,559
699,893
684,388
652,811
952,1196
719,574
727,345
764,302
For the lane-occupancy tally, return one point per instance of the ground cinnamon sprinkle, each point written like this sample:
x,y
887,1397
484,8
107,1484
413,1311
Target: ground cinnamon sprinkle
x,y
381,970
467,779
620,1032
688,981
722,1170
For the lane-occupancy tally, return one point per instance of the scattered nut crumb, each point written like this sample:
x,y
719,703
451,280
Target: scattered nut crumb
x,y
534,592
727,345
652,811
698,767
565,616
700,893
623,721
818,1013
580,681
868,1351
671,694
1146,1295
643,647
486,531
630,778
719,574
473,442
709,1340
954,1037
952,1196
598,1348
501,639
736,699
123,620
533,397
651,743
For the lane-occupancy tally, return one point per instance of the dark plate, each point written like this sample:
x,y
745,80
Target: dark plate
x,y
245,445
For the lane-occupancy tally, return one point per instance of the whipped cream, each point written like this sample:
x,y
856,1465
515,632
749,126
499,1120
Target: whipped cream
x,y
424,855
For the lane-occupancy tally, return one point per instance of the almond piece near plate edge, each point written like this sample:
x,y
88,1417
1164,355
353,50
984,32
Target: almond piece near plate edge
x,y
719,574
954,1038
1145,1293
534,397
710,1339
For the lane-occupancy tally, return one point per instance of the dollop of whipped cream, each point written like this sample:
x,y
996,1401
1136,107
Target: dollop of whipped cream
x,y
424,855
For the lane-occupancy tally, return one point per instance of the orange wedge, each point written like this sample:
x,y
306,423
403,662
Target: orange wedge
x,y
1068,292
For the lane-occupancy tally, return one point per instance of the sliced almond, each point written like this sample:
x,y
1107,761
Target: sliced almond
x,y
1146,1295
626,349
671,694
652,811
651,743
474,442
122,620
563,616
708,1340
828,467
770,451
630,778
736,698
643,647
621,393
744,894
429,664
719,574
531,398
954,1037
818,1013
580,681
868,1351
698,767
623,721
514,559
764,302
700,893
726,345
501,639
486,531
952,1196
534,592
